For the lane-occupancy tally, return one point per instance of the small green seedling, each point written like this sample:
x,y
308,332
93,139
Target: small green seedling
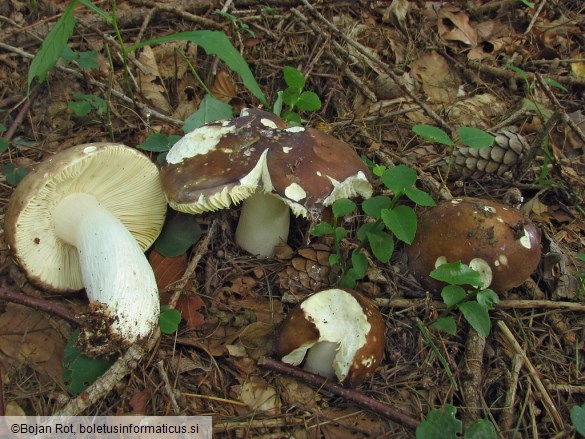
x,y
294,97
236,23
581,276
578,418
159,143
169,319
474,303
4,143
390,220
85,60
83,104
443,424
468,136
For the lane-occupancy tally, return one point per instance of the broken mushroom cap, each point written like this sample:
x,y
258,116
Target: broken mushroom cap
x,y
83,220
255,158
494,239
337,332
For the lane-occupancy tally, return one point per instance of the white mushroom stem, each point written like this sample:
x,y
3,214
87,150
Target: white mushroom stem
x,y
320,358
264,223
114,269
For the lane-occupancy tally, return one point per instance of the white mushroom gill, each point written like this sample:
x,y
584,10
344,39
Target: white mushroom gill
x,y
114,269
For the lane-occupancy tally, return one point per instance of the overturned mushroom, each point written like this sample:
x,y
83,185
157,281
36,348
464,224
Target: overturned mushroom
x,y
337,333
494,239
83,220
273,169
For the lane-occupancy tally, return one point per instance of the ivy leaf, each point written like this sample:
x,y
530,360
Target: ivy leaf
x,y
373,206
401,221
343,207
453,294
210,110
158,142
487,298
433,134
456,273
440,424
477,316
475,138
578,418
359,261
339,233
419,197
481,429
169,319
382,245
308,101
323,228
293,77
178,234
364,229
446,324
290,96
398,178
333,259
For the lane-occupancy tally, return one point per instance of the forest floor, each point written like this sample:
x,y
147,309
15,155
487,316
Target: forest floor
x,y
493,65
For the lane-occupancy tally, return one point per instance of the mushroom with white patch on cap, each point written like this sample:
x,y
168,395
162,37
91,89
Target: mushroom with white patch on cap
x,y
496,240
272,168
83,220
337,333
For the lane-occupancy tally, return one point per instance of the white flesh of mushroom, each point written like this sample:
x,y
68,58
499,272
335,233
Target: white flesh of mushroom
x,y
114,269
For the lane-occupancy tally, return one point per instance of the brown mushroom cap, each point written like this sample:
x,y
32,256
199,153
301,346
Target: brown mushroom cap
x,y
225,162
468,228
340,316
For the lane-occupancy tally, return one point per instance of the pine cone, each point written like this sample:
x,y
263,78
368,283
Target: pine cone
x,y
309,271
502,156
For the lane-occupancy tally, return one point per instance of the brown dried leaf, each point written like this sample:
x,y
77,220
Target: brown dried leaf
x,y
26,336
139,401
257,339
167,270
259,396
150,81
224,87
439,81
188,306
454,26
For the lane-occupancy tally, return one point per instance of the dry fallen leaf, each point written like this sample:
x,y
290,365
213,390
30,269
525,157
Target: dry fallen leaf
x,y
150,80
189,306
259,396
224,87
440,83
167,270
454,26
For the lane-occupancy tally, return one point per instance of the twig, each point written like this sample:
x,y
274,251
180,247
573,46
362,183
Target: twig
x,y
503,304
471,376
199,252
359,398
168,388
45,305
182,11
385,67
508,410
104,384
546,399
535,16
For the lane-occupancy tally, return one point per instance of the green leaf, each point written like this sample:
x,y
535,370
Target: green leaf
x,y
53,45
85,103
80,108
308,101
378,170
556,84
477,316
291,95
373,206
401,221
292,118
215,43
343,207
475,138
398,178
446,324
156,142
487,298
578,418
98,11
518,71
293,78
382,245
323,228
456,273
433,134
440,424
14,174
333,259
419,197
86,60
339,233
4,144
453,294
481,429
581,256
366,228
81,371
210,110
348,279
178,234
277,106
359,261
2,128
169,319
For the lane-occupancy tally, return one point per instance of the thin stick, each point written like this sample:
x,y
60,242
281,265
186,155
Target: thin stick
x,y
546,399
504,304
359,398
